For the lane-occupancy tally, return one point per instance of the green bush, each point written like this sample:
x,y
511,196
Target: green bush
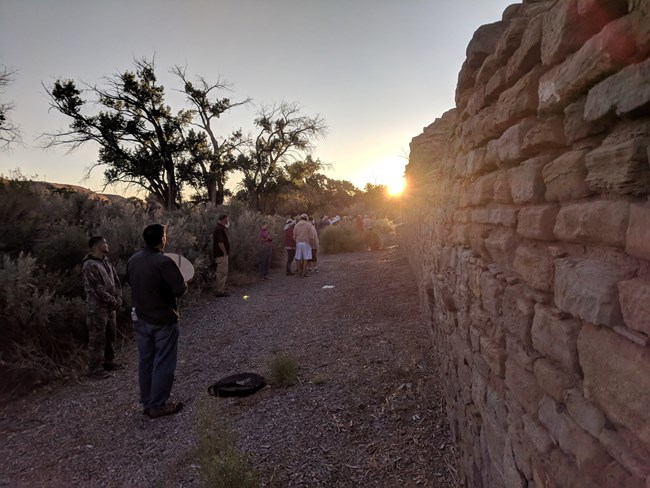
x,y
284,370
345,237
342,237
43,239
39,328
222,465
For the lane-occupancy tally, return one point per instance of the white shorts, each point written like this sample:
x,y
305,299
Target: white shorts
x,y
303,251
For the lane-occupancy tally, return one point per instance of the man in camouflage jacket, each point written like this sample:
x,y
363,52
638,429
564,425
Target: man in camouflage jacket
x,y
103,298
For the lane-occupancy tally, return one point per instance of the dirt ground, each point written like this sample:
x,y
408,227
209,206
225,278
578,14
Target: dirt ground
x,y
367,410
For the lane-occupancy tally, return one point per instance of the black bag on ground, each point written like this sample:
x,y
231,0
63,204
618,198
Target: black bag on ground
x,y
241,384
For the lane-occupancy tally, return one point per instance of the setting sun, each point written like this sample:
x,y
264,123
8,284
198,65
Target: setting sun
x,y
397,187
389,172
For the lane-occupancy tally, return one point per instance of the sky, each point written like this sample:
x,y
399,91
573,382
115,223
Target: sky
x,y
377,71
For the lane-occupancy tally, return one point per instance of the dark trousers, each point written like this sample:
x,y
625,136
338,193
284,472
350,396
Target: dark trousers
x,y
101,334
265,260
291,254
157,349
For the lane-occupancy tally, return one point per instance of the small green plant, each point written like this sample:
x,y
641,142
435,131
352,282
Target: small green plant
x,y
222,465
319,379
284,370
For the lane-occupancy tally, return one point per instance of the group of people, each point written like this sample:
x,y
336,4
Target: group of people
x,y
156,284
301,243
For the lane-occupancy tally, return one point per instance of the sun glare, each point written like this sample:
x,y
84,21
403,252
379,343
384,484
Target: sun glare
x,y
396,187
390,172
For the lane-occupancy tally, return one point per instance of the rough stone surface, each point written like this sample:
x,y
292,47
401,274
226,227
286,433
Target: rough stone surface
x,y
565,177
565,29
545,135
501,245
599,222
635,303
518,312
535,266
477,164
637,242
556,336
502,192
529,204
603,54
537,222
562,428
523,385
483,190
528,54
621,168
526,181
625,447
622,93
537,434
510,144
616,378
553,380
588,290
586,415
506,216
576,127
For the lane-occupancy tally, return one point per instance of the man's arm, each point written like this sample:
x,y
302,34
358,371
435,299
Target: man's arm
x,y
223,248
172,275
94,279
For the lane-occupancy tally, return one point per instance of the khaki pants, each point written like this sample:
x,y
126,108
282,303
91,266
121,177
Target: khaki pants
x,y
222,273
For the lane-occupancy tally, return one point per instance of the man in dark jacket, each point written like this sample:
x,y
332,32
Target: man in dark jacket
x,y
156,283
103,298
220,252
289,244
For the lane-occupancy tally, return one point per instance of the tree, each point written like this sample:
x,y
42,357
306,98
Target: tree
x,y
140,141
10,133
211,157
283,135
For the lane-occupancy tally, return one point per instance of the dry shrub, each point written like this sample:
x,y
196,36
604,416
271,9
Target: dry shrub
x,y
284,370
44,236
342,237
345,237
222,465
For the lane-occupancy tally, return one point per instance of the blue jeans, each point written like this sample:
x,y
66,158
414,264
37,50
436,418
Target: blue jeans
x,y
157,347
265,261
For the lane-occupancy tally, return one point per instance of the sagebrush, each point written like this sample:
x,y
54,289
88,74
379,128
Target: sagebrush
x,y
44,235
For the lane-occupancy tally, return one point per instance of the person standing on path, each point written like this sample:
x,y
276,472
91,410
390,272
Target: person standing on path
x,y
221,251
303,234
315,244
103,298
289,244
266,251
156,283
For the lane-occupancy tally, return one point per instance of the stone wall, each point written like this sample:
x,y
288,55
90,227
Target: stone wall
x,y
529,224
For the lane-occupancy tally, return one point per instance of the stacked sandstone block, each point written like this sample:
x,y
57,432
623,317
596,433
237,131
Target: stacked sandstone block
x,y
530,222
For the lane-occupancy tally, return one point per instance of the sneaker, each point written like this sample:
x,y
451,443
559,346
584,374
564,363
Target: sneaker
x,y
223,294
111,366
98,374
169,408
289,273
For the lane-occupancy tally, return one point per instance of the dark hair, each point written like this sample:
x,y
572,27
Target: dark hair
x,y
153,234
222,216
94,240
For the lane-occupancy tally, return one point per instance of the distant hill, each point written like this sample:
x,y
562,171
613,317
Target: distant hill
x,y
45,186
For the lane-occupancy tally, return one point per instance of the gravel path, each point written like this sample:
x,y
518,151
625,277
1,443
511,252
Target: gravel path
x,y
367,410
